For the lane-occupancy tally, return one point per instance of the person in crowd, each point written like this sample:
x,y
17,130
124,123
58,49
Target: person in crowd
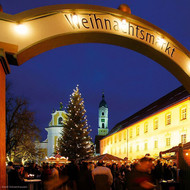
x,y
115,174
85,181
140,178
14,182
102,177
166,172
91,166
73,174
158,172
54,172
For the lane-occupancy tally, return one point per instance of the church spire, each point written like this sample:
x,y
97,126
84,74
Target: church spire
x,y
60,106
103,95
103,117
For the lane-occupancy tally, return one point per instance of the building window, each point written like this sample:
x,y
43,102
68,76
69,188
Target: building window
x,y
183,113
168,141
183,138
146,146
102,125
137,148
137,131
125,135
60,121
155,124
115,139
102,120
102,113
146,128
155,144
119,136
168,119
131,133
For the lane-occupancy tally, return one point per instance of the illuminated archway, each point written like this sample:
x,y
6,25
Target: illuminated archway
x,y
32,32
35,31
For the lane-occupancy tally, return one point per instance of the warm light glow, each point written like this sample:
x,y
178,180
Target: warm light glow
x,y
160,41
124,25
75,19
187,154
21,29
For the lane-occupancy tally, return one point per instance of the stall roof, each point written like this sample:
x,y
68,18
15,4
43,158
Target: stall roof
x,y
176,148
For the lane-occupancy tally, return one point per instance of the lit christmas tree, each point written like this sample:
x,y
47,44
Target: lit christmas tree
x,y
75,142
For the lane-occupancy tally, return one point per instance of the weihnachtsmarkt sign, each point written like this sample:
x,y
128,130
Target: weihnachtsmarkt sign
x,y
32,32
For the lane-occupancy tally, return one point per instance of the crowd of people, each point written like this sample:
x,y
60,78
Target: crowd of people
x,y
145,173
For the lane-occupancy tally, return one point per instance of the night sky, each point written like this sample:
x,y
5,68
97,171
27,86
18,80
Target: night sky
x,y
129,80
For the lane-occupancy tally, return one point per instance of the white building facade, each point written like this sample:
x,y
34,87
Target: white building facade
x,y
54,132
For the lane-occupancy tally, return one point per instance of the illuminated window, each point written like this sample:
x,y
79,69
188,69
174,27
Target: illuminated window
x,y
146,146
107,141
131,133
155,144
60,121
137,131
131,149
115,139
183,138
168,119
183,113
146,128
155,124
119,136
125,135
168,141
137,148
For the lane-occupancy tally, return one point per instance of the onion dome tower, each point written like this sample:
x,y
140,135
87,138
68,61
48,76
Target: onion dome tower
x,y
54,129
103,117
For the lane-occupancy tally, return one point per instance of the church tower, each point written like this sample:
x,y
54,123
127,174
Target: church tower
x,y
54,129
103,117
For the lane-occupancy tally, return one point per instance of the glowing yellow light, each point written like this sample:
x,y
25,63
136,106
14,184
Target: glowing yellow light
x,y
21,29
187,154
160,41
75,19
124,21
124,25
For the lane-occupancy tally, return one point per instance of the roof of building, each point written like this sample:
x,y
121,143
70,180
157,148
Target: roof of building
x,y
103,102
168,100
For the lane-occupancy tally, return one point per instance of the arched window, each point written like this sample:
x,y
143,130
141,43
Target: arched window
x,y
60,120
102,113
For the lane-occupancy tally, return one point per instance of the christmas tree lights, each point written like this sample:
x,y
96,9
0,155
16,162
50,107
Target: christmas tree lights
x,y
75,142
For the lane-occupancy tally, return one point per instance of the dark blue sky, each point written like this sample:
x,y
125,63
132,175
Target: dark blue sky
x,y
130,80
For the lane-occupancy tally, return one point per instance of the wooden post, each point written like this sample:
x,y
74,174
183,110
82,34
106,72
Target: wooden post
x,y
4,69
